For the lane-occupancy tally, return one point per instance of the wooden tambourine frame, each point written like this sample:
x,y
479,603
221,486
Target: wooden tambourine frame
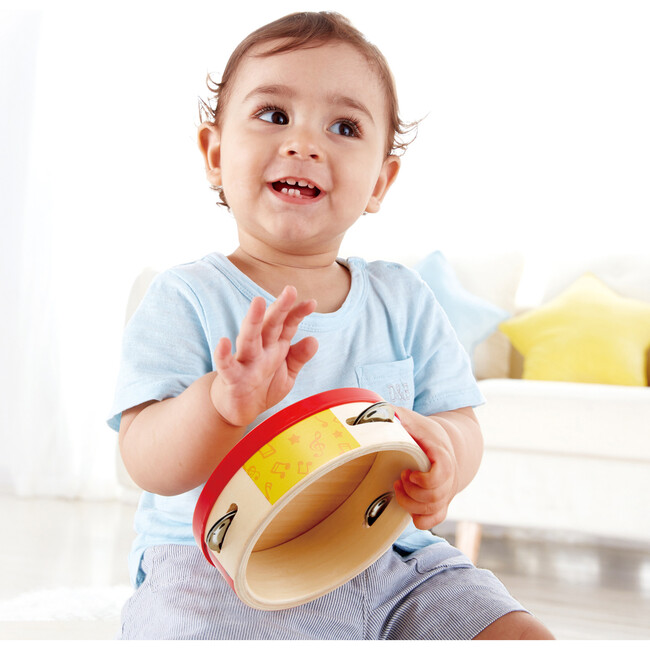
x,y
303,503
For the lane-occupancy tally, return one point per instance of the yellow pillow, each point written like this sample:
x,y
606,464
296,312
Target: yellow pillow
x,y
588,334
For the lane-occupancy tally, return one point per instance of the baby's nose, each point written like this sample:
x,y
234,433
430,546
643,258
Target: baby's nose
x,y
303,143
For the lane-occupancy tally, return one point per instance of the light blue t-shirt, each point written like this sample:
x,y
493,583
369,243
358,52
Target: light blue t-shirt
x,y
390,336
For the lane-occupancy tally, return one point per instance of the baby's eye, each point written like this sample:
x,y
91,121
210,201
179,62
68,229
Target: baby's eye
x,y
273,115
345,128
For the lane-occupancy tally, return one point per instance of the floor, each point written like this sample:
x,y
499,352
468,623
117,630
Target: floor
x,y
581,589
63,568
64,574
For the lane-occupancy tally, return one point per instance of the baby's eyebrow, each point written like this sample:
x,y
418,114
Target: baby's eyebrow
x,y
272,89
350,102
281,90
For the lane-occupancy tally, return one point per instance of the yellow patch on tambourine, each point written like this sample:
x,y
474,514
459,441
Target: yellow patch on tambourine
x,y
296,452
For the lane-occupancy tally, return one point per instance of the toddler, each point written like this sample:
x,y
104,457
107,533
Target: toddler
x,y
300,141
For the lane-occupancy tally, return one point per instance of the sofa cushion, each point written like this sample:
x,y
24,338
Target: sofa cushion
x,y
472,317
589,333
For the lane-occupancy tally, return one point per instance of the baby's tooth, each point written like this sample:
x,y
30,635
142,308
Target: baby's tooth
x,y
302,183
284,190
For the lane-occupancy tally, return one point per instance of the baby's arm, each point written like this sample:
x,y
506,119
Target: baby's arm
x,y
454,444
172,446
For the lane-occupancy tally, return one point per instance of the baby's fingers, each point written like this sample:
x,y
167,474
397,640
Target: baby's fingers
x,y
276,315
436,476
295,317
433,490
223,360
222,353
425,514
300,353
414,490
249,340
284,316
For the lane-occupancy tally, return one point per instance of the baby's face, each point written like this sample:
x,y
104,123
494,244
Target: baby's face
x,y
300,150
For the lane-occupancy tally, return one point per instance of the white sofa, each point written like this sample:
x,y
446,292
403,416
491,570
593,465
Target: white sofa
x,y
559,456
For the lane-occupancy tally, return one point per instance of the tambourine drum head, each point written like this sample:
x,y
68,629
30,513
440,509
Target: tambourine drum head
x,y
304,502
314,503
320,539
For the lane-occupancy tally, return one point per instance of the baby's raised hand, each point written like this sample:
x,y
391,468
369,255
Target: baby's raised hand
x,y
427,495
264,366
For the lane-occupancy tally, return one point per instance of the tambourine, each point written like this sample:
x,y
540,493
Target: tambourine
x,y
304,502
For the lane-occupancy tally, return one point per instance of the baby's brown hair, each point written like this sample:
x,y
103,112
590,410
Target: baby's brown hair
x,y
305,30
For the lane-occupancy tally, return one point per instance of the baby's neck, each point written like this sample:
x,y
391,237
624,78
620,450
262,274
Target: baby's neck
x,y
324,280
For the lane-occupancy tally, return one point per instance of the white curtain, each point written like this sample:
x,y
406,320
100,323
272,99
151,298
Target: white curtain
x,y
536,138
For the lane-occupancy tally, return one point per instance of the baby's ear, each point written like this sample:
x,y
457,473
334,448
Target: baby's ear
x,y
210,146
387,176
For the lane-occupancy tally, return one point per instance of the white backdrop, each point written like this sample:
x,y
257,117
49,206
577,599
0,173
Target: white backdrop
x,y
536,138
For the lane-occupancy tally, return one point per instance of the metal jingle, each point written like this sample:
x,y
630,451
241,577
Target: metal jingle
x,y
214,539
375,509
378,412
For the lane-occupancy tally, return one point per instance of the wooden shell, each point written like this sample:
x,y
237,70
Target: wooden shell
x,y
299,485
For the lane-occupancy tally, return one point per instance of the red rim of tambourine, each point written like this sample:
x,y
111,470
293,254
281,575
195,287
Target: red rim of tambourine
x,y
257,438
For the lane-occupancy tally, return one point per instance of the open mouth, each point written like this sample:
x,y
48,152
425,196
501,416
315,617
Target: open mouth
x,y
295,188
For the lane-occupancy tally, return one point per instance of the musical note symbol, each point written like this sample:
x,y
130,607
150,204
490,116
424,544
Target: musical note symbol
x,y
280,468
317,447
324,422
253,472
344,446
268,486
307,465
267,451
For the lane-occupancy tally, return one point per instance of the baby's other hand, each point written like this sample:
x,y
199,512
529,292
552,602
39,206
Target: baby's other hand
x,y
427,495
264,366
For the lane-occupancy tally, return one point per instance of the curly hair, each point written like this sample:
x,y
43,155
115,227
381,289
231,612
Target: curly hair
x,y
306,30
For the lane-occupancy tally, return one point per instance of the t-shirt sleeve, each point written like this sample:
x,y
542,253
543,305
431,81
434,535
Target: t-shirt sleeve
x,y
164,348
443,375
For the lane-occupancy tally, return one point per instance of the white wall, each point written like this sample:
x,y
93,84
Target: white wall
x,y
536,137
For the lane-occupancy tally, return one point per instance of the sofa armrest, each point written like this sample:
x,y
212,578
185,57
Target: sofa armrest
x,y
565,457
586,420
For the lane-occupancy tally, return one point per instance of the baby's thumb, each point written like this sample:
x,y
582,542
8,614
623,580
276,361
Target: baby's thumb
x,y
415,425
409,420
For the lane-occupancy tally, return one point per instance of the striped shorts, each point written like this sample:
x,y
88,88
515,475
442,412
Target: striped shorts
x,y
433,593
